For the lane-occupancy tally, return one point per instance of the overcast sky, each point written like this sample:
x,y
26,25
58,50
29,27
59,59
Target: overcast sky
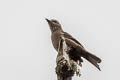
x,y
26,52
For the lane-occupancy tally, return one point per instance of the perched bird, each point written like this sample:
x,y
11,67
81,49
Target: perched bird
x,y
76,49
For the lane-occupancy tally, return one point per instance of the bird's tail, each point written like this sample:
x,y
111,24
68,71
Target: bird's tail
x,y
92,59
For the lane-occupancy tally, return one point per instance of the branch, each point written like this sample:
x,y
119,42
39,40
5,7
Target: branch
x,y
66,67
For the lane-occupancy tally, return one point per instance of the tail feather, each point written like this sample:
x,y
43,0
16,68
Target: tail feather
x,y
92,59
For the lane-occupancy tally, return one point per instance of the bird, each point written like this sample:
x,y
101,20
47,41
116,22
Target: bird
x,y
77,52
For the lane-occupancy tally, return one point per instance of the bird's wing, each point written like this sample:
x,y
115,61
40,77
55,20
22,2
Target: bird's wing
x,y
89,56
68,36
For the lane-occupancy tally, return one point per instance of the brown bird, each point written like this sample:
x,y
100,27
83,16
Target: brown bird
x,y
76,49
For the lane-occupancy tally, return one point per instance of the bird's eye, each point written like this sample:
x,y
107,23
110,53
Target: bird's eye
x,y
55,21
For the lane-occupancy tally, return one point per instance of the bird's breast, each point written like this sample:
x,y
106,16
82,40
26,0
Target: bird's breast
x,y
55,39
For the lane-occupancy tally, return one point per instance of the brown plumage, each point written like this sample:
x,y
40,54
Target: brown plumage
x,y
76,49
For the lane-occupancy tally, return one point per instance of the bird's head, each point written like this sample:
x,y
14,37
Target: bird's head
x,y
54,25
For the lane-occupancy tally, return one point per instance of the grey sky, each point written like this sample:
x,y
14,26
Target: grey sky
x,y
26,52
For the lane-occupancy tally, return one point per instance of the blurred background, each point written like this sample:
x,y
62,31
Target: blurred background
x,y
26,52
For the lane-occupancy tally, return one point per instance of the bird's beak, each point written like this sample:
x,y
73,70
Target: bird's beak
x,y
47,20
